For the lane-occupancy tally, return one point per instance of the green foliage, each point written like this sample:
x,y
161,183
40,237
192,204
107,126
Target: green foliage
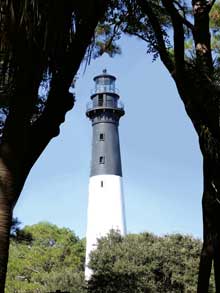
x,y
214,24
19,235
127,17
145,263
52,260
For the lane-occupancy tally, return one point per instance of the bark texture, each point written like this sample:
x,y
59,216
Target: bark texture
x,y
5,219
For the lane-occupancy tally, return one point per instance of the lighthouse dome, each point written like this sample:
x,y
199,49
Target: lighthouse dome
x,y
105,83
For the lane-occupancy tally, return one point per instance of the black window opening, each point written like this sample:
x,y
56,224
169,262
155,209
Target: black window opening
x,y
100,100
102,184
101,160
101,136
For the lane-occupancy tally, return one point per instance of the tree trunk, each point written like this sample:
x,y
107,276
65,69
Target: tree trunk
x,y
211,224
5,220
217,264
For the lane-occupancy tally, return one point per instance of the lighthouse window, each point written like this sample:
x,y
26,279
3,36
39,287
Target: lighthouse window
x,y
101,160
101,136
106,81
102,184
100,100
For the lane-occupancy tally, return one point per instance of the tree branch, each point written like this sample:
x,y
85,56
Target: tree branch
x,y
60,100
22,143
202,36
179,50
210,4
23,99
161,47
185,21
27,65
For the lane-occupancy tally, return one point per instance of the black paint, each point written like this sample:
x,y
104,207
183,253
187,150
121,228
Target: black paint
x,y
104,113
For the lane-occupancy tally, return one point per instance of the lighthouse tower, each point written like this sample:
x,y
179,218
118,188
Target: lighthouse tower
x,y
105,203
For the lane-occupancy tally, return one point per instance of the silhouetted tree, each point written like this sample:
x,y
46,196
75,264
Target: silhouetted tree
x,y
187,40
42,42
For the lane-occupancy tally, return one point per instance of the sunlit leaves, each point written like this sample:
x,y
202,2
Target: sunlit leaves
x,y
127,17
215,26
52,259
145,263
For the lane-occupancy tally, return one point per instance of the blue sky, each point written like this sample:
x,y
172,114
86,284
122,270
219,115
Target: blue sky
x,y
161,160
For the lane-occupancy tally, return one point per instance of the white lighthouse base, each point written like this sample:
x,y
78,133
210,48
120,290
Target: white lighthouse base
x,y
105,211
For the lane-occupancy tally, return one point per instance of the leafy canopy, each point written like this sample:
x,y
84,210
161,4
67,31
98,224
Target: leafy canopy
x,y
145,263
47,258
51,259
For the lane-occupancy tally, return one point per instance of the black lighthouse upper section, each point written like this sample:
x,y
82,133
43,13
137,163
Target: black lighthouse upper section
x,y
104,111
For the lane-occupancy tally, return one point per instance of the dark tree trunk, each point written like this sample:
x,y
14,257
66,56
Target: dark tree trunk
x,y
204,115
6,191
200,92
217,264
23,140
5,225
211,220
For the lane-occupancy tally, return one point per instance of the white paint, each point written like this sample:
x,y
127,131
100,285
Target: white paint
x,y
105,211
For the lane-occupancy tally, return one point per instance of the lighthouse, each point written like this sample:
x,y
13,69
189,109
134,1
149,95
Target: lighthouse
x,y
105,202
